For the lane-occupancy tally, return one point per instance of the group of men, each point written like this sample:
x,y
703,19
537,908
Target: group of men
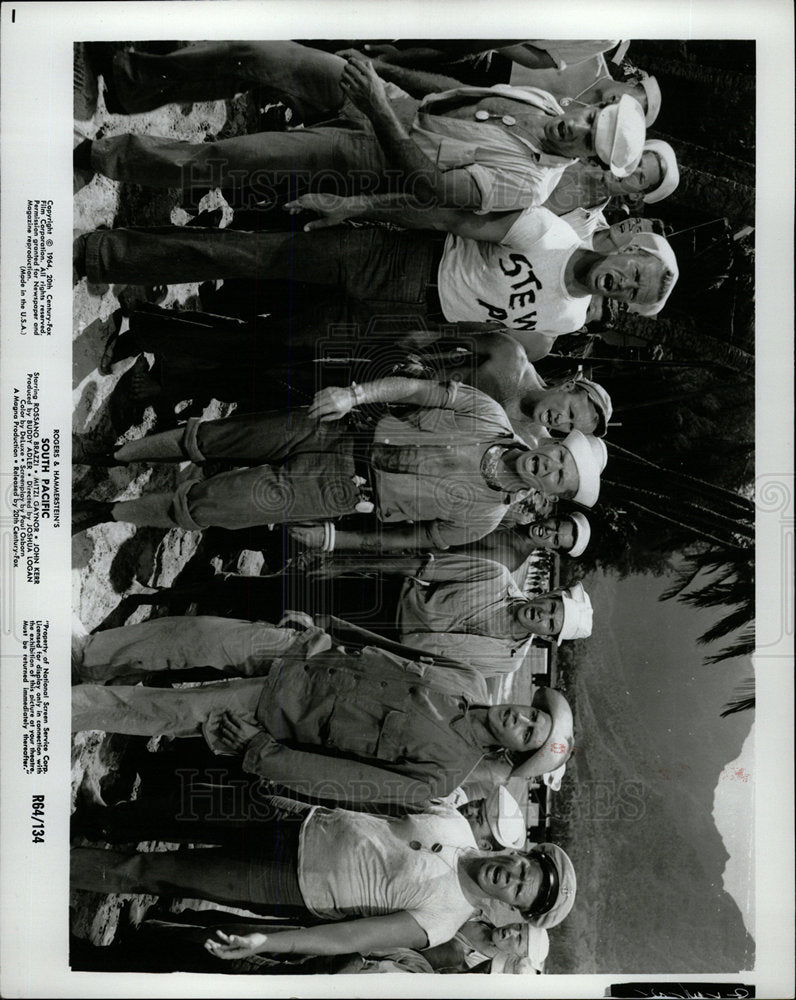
x,y
496,246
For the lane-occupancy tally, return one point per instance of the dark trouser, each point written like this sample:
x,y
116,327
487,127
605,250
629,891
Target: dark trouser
x,y
263,876
388,272
339,158
174,943
306,79
300,471
215,807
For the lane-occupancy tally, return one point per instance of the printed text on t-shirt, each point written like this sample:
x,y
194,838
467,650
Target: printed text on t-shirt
x,y
517,266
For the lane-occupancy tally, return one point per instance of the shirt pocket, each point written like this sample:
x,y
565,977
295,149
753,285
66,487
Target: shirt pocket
x,y
392,738
355,726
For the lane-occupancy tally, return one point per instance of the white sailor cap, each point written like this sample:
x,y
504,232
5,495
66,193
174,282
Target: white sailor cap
x,y
582,534
590,456
619,133
534,944
653,92
577,614
599,398
506,964
670,172
505,818
561,741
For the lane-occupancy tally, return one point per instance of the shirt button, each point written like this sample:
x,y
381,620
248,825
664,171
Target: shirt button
x,y
383,683
331,671
436,848
415,845
413,690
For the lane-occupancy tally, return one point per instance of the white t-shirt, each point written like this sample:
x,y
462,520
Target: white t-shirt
x,y
518,282
354,864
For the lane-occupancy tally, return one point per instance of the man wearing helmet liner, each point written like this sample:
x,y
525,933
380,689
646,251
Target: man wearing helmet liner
x,y
409,882
451,465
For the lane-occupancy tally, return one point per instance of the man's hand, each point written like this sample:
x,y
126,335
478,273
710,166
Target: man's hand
x,y
231,733
362,85
310,535
231,946
332,404
353,54
297,620
333,207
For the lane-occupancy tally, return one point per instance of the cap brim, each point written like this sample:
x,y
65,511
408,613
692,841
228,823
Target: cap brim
x,y
671,177
583,536
545,758
588,473
653,92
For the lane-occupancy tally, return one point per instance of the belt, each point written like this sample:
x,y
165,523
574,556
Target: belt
x,y
361,441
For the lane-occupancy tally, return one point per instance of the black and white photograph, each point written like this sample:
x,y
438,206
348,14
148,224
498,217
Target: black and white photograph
x,y
415,478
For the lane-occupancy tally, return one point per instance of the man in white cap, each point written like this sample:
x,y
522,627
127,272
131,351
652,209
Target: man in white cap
x,y
529,271
470,609
585,189
310,465
511,545
569,69
496,821
479,148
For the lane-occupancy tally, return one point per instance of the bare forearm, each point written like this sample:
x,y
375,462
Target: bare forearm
x,y
416,82
388,539
363,936
397,389
406,211
422,179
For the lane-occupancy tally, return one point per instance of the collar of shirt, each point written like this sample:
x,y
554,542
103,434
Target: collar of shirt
x,y
462,725
533,96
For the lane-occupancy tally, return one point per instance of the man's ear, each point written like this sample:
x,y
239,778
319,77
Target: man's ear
x,y
485,844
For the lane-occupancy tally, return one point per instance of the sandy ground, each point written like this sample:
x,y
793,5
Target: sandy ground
x,y
114,560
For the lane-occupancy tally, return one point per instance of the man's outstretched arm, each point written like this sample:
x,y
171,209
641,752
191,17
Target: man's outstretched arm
x,y
405,211
396,930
